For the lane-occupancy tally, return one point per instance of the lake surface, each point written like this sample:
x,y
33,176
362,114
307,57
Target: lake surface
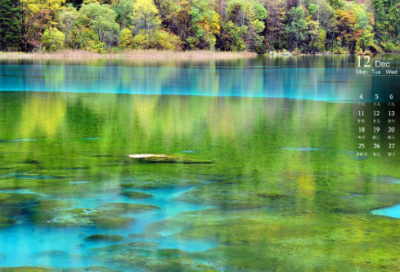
x,y
286,190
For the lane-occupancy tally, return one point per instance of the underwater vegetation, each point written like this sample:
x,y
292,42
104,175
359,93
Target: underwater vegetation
x,y
268,202
104,237
60,214
124,208
136,195
5,222
147,257
288,240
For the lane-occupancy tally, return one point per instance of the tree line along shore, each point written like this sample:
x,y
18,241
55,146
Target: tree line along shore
x,y
148,54
251,26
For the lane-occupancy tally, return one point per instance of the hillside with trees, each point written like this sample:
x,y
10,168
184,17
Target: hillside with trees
x,y
304,26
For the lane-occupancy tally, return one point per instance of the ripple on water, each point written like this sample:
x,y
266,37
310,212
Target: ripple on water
x,y
18,140
79,182
8,175
302,148
359,158
392,180
30,176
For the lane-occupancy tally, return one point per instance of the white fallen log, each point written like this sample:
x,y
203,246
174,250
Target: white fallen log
x,y
144,156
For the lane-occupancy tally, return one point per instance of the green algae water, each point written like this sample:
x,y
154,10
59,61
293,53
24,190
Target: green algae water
x,y
287,189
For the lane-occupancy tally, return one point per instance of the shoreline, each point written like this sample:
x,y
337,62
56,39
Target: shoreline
x,y
154,55
132,55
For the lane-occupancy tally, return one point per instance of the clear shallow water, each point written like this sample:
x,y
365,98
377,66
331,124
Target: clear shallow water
x,y
67,245
285,169
301,148
393,211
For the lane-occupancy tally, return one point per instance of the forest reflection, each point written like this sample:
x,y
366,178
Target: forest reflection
x,y
314,78
245,133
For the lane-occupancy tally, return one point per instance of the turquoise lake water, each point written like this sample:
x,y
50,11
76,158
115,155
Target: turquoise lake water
x,y
282,190
298,77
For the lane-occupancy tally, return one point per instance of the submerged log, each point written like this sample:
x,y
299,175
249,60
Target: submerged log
x,y
144,156
161,158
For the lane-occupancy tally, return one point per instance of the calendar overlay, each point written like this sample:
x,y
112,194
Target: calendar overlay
x,y
376,128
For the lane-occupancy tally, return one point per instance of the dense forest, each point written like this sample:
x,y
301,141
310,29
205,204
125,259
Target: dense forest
x,y
304,26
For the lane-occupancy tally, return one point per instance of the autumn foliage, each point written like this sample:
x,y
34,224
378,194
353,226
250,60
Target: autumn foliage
x,y
307,26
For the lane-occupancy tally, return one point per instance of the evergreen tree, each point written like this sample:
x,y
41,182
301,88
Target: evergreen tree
x,y
296,27
10,31
387,19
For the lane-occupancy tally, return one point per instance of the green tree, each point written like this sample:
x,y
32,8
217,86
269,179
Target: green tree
x,y
204,24
232,36
326,15
86,38
336,4
362,18
102,20
10,30
124,10
245,22
313,9
256,15
312,35
236,12
52,39
320,42
387,18
67,23
364,24
296,27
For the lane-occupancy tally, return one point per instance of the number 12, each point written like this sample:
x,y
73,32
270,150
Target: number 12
x,y
359,61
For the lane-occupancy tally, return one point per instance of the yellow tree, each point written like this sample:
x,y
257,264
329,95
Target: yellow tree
x,y
145,15
35,6
87,2
37,16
